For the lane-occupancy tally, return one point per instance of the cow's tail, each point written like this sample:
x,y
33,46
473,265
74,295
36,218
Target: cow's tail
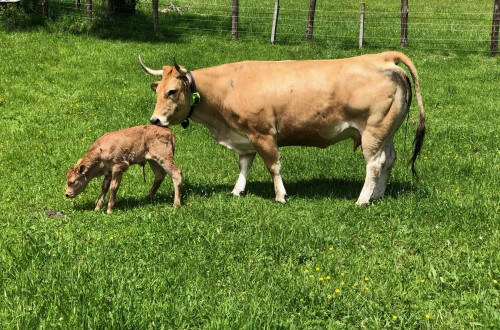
x,y
420,134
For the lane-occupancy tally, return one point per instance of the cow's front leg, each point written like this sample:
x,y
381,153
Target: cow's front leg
x,y
245,161
267,148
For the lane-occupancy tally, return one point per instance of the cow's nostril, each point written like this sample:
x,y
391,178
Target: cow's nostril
x,y
154,121
67,195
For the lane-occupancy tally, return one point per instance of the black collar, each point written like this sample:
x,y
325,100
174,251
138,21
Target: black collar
x,y
194,98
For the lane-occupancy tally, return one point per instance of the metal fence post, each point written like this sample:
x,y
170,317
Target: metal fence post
x,y
362,25
275,20
494,28
310,20
234,19
404,22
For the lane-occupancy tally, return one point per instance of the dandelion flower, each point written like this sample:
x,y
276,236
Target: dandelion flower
x,y
317,268
337,290
342,283
342,274
328,296
427,316
321,279
328,277
367,288
394,317
330,248
306,271
422,280
366,278
495,281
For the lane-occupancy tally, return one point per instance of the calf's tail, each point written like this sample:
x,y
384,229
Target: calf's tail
x,y
418,142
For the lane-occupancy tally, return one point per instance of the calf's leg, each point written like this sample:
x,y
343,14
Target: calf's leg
x,y
175,173
159,173
116,178
245,162
104,191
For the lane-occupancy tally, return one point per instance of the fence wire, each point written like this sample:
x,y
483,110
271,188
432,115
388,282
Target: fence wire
x,y
432,25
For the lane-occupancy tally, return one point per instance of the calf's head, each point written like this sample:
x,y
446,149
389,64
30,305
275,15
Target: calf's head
x,y
172,104
76,180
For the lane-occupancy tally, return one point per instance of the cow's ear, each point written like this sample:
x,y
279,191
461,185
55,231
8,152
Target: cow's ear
x,y
82,169
154,86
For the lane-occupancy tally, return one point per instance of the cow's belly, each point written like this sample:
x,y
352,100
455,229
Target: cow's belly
x,y
321,137
233,140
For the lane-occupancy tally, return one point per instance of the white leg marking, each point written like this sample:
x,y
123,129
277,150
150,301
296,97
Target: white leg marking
x,y
373,169
279,188
246,162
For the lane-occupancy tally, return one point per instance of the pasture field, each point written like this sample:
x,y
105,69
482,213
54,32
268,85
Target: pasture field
x,y
427,256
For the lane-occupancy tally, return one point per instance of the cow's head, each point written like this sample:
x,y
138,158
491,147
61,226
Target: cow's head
x,y
172,104
76,179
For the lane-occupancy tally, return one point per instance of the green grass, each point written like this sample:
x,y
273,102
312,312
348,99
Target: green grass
x,y
426,256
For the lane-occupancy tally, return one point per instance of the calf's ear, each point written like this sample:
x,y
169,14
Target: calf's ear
x,y
154,86
82,169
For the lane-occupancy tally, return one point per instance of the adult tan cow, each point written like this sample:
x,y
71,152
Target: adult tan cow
x,y
255,107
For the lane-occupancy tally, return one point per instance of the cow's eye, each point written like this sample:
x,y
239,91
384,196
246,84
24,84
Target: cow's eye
x,y
171,92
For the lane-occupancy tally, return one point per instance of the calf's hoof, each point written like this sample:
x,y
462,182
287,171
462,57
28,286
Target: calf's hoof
x,y
109,211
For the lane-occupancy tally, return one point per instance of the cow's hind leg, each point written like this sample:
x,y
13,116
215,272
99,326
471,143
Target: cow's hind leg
x,y
389,154
375,158
245,162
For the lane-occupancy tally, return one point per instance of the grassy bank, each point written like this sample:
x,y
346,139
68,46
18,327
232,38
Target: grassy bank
x,y
426,256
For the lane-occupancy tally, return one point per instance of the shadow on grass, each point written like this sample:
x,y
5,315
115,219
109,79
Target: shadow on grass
x,y
307,189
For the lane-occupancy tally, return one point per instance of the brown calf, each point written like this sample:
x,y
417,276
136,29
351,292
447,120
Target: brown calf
x,y
114,152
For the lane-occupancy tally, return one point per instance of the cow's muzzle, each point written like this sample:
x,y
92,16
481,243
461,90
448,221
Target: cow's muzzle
x,y
155,121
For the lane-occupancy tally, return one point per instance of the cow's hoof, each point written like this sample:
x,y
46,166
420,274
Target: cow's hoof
x,y
280,199
362,203
237,193
109,211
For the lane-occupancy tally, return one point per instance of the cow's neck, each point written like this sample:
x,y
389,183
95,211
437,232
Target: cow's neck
x,y
208,111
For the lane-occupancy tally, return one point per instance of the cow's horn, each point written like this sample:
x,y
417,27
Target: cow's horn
x,y
182,71
150,71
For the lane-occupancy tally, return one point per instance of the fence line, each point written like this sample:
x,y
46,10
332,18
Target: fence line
x,y
470,27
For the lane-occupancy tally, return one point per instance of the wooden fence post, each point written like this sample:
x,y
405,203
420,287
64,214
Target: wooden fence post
x,y
88,8
275,20
155,16
234,19
45,5
494,28
404,22
362,25
310,20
